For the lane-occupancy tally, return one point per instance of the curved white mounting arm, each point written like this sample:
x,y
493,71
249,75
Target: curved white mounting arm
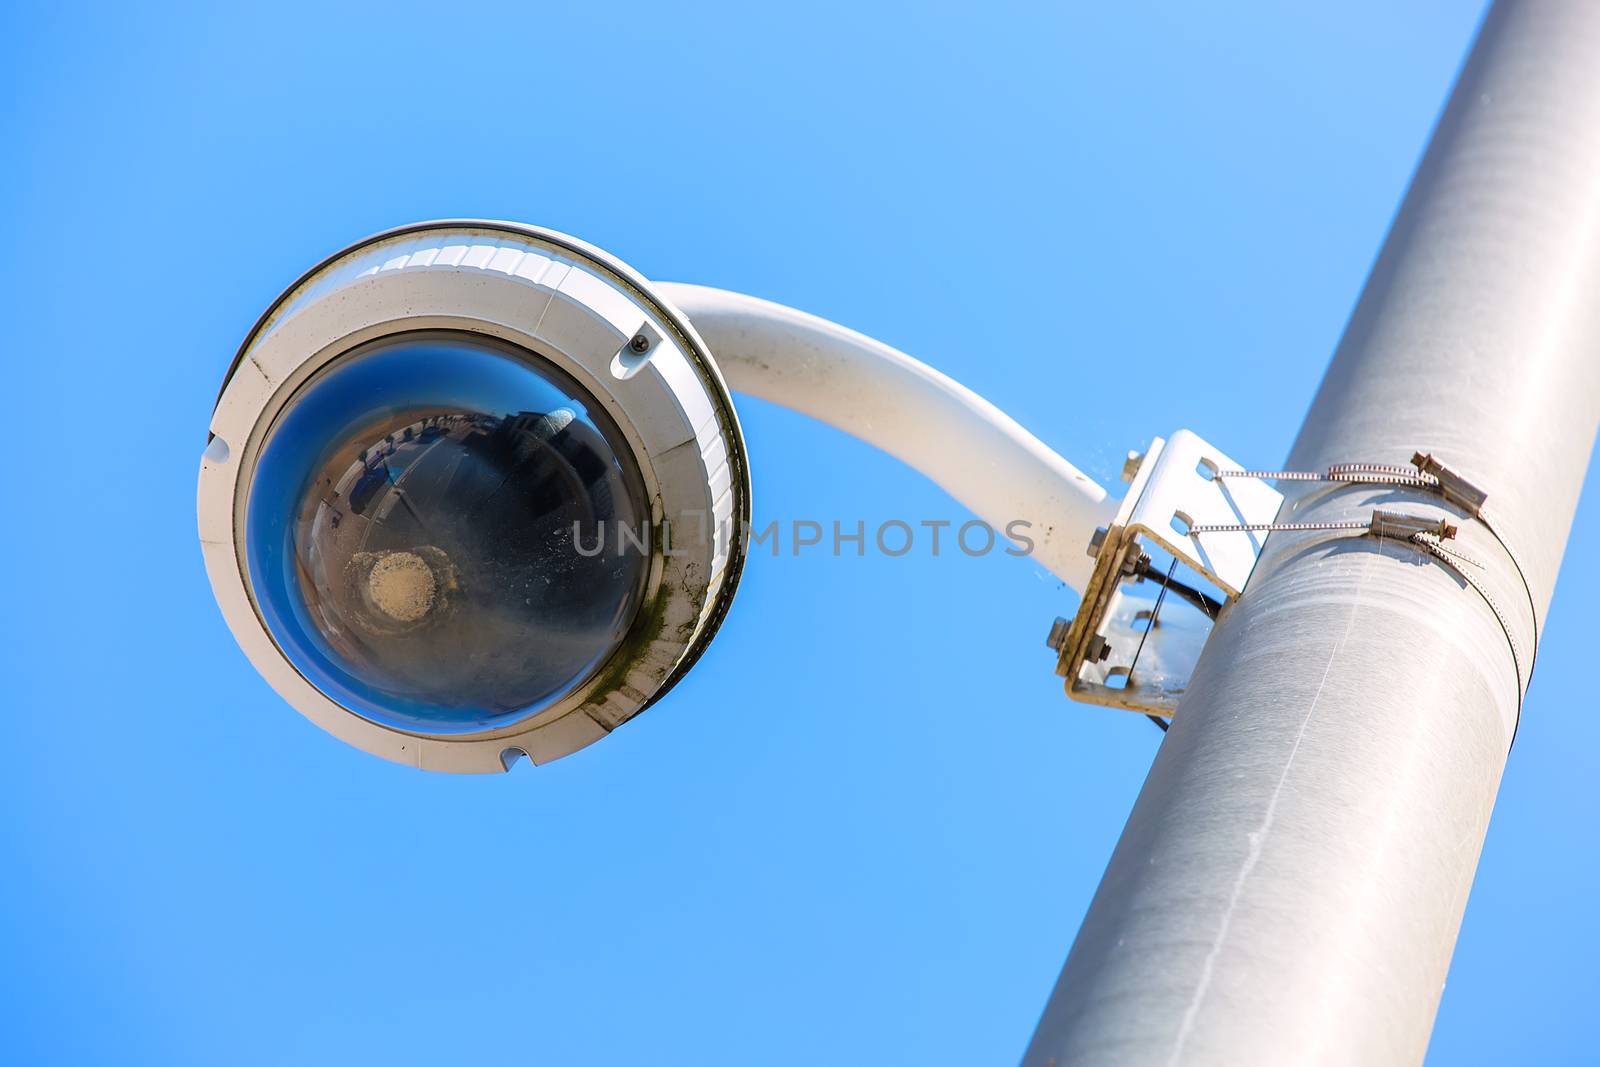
x,y
884,397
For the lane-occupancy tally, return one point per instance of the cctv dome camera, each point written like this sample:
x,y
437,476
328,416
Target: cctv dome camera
x,y
473,491
476,490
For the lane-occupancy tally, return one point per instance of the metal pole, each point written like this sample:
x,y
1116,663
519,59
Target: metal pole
x,y
1290,884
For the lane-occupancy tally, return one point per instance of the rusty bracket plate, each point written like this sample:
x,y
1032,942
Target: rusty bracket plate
x,y
1116,652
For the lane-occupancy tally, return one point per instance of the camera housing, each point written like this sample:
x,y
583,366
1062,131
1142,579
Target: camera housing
x,y
396,453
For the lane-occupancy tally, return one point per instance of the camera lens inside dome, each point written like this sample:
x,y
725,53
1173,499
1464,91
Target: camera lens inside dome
x,y
433,533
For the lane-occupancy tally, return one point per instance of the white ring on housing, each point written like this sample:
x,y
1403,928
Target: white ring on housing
x,y
576,307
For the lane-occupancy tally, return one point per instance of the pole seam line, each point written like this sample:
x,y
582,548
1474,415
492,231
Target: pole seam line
x,y
1257,841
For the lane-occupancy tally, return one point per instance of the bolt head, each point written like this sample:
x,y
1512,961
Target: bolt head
x,y
1058,634
1097,541
640,344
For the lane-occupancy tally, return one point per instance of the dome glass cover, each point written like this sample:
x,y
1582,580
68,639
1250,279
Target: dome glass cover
x,y
433,533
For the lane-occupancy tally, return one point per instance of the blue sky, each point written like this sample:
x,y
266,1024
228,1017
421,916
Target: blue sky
x,y
865,829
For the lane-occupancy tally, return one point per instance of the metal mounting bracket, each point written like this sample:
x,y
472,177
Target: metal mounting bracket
x,y
1120,650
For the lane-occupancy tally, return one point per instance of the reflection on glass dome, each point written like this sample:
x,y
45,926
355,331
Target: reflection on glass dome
x,y
411,533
